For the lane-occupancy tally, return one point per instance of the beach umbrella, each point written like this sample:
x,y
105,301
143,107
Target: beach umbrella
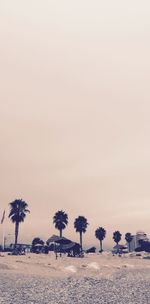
x,y
63,240
38,245
58,240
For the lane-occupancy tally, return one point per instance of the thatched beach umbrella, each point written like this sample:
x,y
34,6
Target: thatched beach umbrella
x,y
58,240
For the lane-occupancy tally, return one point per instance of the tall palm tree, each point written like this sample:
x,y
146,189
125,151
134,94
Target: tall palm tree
x,y
100,234
17,214
80,224
60,220
128,238
117,237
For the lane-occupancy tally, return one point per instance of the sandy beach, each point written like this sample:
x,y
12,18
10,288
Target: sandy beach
x,y
93,279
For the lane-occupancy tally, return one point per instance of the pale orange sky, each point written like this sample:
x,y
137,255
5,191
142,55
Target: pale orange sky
x,y
75,113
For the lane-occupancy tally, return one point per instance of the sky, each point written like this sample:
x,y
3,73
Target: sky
x,y
74,114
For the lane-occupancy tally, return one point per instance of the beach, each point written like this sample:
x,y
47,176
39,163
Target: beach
x,y
93,279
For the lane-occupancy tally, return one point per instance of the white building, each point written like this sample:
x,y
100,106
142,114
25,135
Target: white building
x,y
140,235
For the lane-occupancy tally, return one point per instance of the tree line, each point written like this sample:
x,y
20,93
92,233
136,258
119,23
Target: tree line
x,y
19,210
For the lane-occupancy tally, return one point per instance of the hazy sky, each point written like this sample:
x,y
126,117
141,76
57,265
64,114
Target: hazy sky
x,y
75,113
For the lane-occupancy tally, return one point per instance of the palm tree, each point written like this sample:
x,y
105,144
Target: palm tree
x,y
80,224
100,234
18,210
60,220
128,238
117,237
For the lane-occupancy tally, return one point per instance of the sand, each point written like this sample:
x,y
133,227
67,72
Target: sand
x,y
93,279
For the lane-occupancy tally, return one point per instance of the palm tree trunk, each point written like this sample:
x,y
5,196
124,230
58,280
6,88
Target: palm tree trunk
x,y
16,233
101,249
60,244
117,247
81,240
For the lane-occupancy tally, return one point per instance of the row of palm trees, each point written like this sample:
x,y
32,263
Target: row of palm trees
x,y
60,220
19,210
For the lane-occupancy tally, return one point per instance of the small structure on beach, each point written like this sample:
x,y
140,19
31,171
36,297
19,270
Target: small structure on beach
x,y
120,249
73,249
19,249
56,239
64,245
22,247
